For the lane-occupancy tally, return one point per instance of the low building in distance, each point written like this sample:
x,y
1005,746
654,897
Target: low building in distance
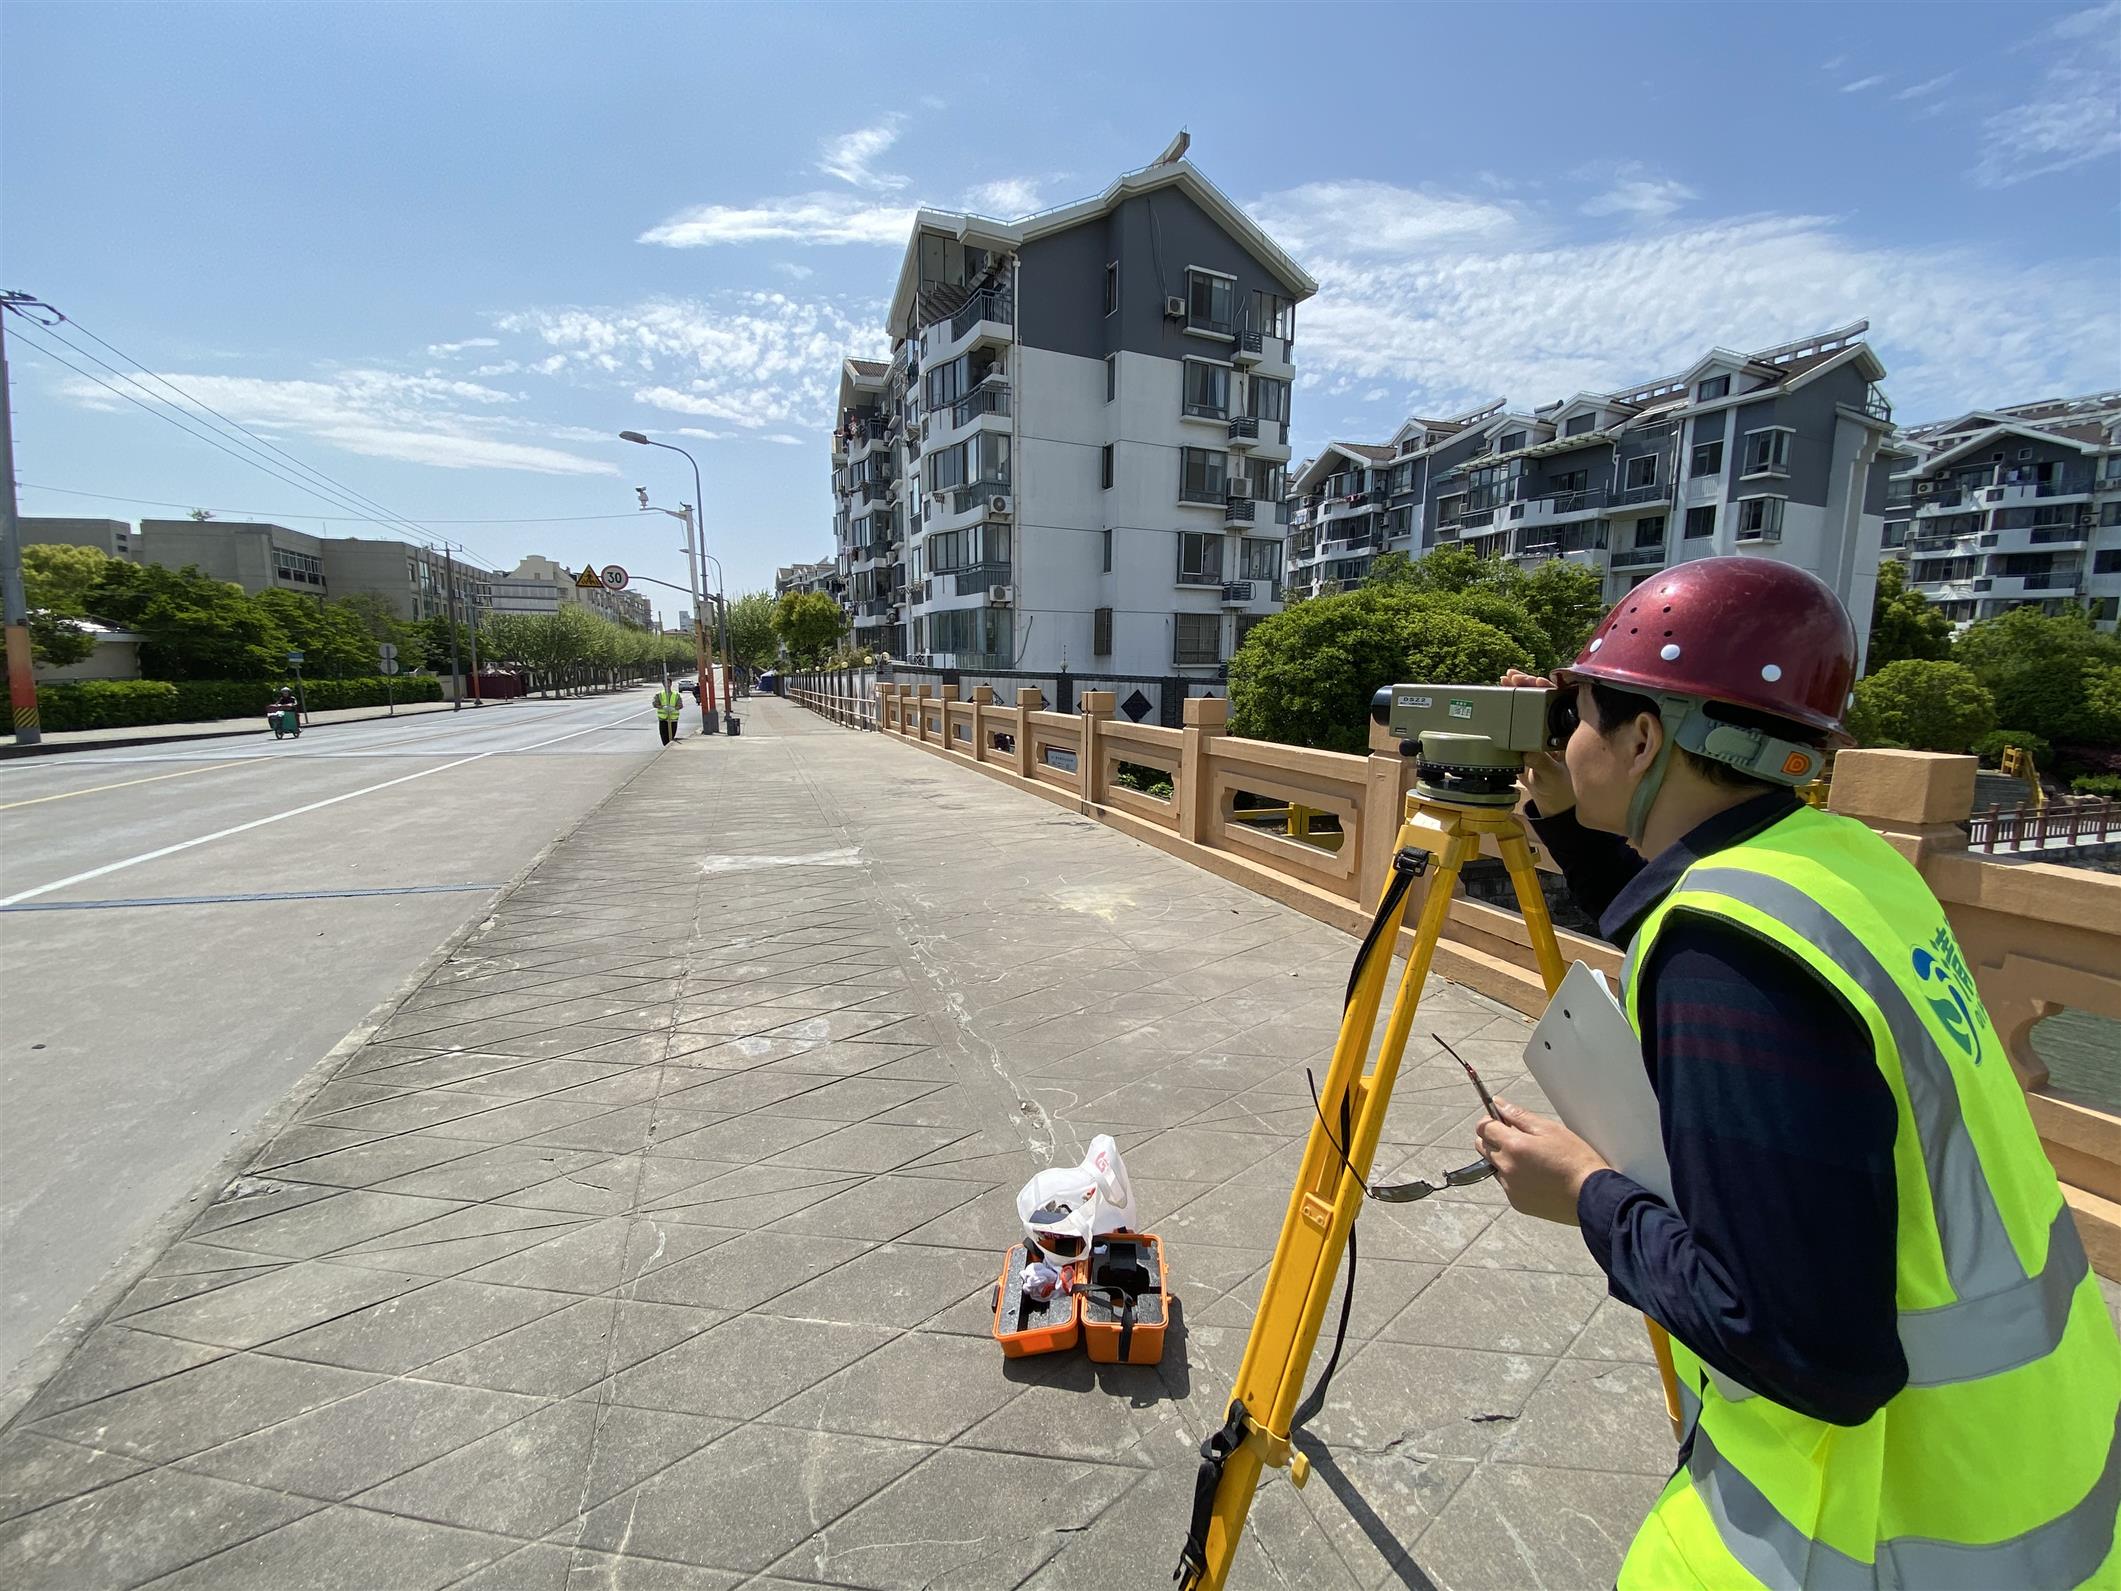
x,y
2004,507
1074,457
824,575
541,585
411,577
115,537
1784,453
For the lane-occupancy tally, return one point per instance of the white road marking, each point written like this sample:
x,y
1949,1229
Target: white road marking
x,y
295,812
847,856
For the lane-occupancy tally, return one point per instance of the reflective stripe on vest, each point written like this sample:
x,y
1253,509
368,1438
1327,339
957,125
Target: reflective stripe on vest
x,y
2063,1551
2002,1318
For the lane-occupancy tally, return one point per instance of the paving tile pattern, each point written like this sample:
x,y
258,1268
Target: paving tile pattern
x,y
649,1243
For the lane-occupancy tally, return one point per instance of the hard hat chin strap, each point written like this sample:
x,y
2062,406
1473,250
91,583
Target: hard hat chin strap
x,y
1672,713
1755,752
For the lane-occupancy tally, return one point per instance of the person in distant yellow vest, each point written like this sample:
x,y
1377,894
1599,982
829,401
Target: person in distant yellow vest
x,y
1896,1368
668,704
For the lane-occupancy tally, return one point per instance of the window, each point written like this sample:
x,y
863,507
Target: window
x,y
1642,471
1111,377
1270,399
1708,459
1767,452
2110,514
948,552
2107,561
1569,481
1273,314
1207,389
1246,624
1209,302
1202,472
1108,549
1701,521
1895,533
1511,442
1270,482
993,457
1649,531
1259,558
1759,517
1713,388
2024,453
1112,287
1196,638
1106,454
946,468
1200,558
1101,632
946,383
1578,424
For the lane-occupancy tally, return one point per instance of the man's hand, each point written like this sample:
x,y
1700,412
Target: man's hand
x,y
1545,776
1541,1165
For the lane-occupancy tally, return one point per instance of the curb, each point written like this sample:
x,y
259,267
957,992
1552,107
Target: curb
x,y
57,1345
15,749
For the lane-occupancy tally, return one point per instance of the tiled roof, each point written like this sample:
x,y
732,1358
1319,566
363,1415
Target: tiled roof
x,y
869,367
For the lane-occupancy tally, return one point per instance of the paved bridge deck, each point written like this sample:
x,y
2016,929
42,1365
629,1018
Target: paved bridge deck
x,y
649,1243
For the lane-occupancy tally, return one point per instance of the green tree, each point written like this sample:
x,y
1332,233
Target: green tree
x,y
59,579
808,624
1552,609
193,627
753,641
1567,600
1903,624
2048,672
1305,676
331,637
1923,705
56,641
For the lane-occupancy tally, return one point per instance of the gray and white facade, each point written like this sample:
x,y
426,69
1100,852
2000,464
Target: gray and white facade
x,y
1783,453
1075,457
2004,507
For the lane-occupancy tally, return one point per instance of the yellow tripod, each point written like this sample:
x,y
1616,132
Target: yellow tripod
x,y
1331,1186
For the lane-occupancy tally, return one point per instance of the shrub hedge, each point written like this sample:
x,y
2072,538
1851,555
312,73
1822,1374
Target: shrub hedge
x,y
121,703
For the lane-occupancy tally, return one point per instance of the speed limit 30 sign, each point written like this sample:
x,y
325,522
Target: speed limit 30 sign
x,y
614,577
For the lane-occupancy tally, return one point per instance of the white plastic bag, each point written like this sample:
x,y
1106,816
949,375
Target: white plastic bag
x,y
1098,1196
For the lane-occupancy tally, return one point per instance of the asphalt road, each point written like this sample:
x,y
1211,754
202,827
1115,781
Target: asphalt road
x,y
186,929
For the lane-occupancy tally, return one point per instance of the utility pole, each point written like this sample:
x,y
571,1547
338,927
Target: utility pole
x,y
709,721
471,607
21,676
456,672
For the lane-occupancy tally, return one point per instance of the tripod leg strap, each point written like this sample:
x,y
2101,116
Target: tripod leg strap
x,y
1214,1453
1310,1406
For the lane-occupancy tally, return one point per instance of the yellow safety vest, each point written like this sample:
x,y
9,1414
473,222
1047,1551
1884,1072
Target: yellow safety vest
x,y
668,704
1997,1465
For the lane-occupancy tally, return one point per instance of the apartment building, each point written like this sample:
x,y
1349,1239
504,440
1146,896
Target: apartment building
x,y
1075,457
114,537
543,585
1784,453
824,575
254,554
1998,508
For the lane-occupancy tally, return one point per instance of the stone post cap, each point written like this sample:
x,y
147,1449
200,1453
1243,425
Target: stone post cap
x,y
1899,789
1030,696
1207,712
1098,704
983,694
947,692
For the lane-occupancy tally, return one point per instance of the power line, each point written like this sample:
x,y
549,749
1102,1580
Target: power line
x,y
303,513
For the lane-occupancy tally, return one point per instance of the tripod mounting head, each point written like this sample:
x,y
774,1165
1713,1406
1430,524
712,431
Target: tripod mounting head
x,y
1469,740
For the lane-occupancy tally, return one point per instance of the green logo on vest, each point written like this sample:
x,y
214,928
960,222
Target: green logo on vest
x,y
1953,998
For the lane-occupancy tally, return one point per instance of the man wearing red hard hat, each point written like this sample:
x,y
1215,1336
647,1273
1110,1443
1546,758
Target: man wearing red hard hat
x,y
1896,1368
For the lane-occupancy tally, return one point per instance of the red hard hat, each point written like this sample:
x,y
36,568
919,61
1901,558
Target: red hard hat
x,y
1747,632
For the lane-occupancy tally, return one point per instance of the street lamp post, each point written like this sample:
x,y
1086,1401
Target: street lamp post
x,y
695,546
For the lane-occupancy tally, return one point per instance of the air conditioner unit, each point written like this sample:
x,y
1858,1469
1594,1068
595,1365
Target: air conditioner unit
x,y
1000,596
1924,488
1174,309
998,505
1240,489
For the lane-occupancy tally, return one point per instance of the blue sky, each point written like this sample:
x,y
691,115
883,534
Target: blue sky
x,y
443,253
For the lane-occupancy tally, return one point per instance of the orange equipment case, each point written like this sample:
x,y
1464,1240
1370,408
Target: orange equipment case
x,y
1126,1299
1025,1326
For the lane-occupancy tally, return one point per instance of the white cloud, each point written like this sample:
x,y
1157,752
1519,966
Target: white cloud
x,y
849,157
783,438
1861,84
1927,87
443,350
798,218
1376,217
500,367
434,420
1462,320
794,272
755,360
935,102
1833,65
1632,191
1007,198
2073,117
706,436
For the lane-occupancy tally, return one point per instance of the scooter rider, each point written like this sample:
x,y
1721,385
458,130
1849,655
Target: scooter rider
x,y
1896,1366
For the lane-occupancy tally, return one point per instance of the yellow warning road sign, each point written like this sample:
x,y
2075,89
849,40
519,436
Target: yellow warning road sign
x,y
589,579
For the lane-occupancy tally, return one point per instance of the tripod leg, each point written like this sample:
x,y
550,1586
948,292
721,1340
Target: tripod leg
x,y
1322,1209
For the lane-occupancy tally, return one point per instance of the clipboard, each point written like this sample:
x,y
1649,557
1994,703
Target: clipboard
x,y
1586,1059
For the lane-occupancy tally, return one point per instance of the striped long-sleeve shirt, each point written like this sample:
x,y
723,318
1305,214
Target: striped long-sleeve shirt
x,y
1779,1127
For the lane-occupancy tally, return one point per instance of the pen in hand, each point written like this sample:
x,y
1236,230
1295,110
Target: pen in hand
x,y
1481,1088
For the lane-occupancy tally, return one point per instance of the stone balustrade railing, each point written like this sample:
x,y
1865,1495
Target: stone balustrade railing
x,y
2039,938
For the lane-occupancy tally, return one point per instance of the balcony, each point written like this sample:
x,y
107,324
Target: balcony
x,y
992,398
987,316
1760,534
1536,509
978,580
1540,545
1249,348
1237,592
1203,494
1244,432
1634,496
1876,406
1237,511
1651,557
1201,577
874,491
981,495
1940,502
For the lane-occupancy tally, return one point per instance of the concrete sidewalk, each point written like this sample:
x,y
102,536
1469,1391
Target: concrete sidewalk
x,y
649,1243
